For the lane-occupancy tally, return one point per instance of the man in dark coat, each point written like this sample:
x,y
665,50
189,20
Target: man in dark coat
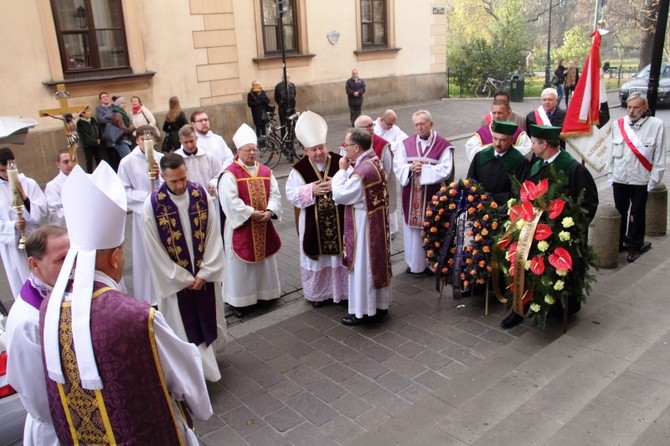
x,y
545,146
285,99
355,88
494,166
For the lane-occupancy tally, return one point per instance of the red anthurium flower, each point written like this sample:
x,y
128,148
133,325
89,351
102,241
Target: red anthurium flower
x,y
503,243
537,265
515,213
512,250
555,208
528,191
560,259
542,232
541,187
527,212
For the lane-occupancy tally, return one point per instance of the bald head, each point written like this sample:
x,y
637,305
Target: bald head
x,y
365,122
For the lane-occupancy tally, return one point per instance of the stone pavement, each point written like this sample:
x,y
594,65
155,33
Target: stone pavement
x,y
438,370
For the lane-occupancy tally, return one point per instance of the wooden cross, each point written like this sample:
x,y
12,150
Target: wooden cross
x,y
57,113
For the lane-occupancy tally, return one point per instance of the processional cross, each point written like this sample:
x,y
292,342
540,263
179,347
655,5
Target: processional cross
x,y
60,113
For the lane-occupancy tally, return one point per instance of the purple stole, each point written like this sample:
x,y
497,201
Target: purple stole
x,y
369,169
486,136
134,406
197,308
415,195
30,295
323,219
254,241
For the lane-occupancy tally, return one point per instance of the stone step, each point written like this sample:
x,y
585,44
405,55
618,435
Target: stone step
x,y
540,386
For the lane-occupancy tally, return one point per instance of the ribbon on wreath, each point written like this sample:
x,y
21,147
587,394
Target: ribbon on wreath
x,y
455,235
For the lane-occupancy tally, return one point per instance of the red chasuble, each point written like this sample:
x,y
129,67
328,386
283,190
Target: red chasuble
x,y
254,241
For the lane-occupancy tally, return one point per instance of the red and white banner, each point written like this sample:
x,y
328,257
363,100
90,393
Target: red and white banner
x,y
587,122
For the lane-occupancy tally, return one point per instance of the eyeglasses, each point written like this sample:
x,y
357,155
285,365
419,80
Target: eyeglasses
x,y
202,120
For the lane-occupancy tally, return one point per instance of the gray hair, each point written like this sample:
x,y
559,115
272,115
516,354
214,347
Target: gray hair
x,y
425,113
639,96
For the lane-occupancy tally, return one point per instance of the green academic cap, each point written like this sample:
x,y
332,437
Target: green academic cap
x,y
504,127
546,132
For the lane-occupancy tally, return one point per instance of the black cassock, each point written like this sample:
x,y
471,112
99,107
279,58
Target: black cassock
x,y
494,173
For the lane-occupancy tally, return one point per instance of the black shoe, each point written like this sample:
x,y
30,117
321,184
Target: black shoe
x,y
409,271
633,255
239,312
646,246
318,304
352,320
428,272
511,321
380,314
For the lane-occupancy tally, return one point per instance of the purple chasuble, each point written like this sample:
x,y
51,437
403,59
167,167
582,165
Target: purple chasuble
x,y
133,407
371,173
31,295
197,308
415,195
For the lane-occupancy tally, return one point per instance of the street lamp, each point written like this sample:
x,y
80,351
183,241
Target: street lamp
x,y
547,82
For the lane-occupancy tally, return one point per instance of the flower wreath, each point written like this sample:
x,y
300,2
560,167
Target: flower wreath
x,y
468,199
547,258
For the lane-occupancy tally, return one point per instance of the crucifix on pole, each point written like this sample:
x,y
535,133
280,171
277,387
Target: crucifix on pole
x,y
66,113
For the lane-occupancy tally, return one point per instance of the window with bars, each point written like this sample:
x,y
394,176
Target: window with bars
x,y
271,31
91,37
373,23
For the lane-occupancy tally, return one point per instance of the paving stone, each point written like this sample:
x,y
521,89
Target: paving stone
x,y
309,334
303,375
242,420
342,430
393,381
386,401
372,419
261,402
224,436
298,349
266,436
406,367
326,389
368,367
326,344
203,427
432,360
337,372
239,384
359,384
431,379
339,332
351,405
313,318
312,408
284,363
454,335
453,369
377,352
472,327
414,392
346,354
267,354
412,332
224,401
389,339
252,342
316,359
463,355
285,389
266,376
271,332
308,435
524,425
410,349
357,341
284,419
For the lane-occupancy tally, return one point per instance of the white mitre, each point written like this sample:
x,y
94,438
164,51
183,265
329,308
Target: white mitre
x,y
311,129
95,213
244,135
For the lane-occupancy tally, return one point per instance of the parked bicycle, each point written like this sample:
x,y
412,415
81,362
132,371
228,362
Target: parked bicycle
x,y
273,145
485,89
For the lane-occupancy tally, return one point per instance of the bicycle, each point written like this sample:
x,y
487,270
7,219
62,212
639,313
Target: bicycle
x,y
272,146
488,87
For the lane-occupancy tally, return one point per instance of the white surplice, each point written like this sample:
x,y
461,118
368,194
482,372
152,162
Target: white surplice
x,y
203,168
171,278
133,172
52,192
15,260
25,372
364,298
415,256
325,277
247,283
216,145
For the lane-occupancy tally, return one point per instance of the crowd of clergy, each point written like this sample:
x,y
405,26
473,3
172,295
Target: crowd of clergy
x,y
203,234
